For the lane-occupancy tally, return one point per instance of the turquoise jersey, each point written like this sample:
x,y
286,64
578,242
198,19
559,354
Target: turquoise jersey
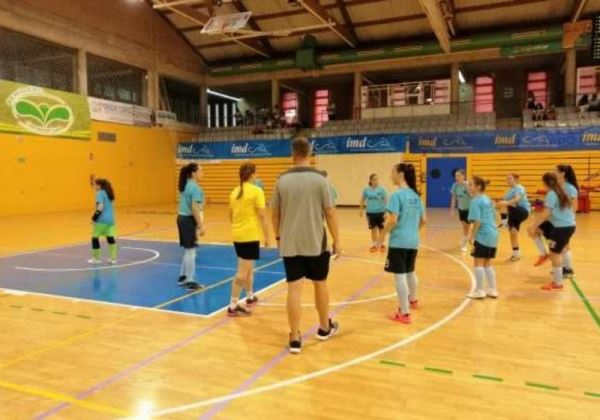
x,y
559,217
461,193
375,199
406,205
571,191
482,210
192,193
519,190
107,216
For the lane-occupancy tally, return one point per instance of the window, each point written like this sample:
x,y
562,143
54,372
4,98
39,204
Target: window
x,y
115,81
538,84
182,98
320,108
289,106
484,94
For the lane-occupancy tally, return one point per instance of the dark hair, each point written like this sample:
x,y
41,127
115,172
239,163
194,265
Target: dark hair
x,y
460,171
105,185
551,181
301,147
410,175
515,176
371,179
569,173
186,173
246,171
325,173
480,182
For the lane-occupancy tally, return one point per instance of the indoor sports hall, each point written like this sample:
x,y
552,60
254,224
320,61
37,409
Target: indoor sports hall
x,y
300,209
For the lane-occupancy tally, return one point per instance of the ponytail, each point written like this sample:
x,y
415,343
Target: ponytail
x,y
371,179
410,176
551,181
186,173
569,174
246,172
105,185
480,182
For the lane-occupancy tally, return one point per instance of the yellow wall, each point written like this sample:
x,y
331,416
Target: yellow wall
x,y
41,174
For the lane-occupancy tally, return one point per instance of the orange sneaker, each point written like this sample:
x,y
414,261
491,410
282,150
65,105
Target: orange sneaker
x,y
414,304
553,286
401,318
541,260
373,249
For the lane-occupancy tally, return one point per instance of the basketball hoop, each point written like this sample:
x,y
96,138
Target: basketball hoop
x,y
226,23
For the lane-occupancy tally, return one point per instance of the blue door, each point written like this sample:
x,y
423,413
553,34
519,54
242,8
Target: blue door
x,y
440,177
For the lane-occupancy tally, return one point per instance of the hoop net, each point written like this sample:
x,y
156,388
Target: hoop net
x,y
226,23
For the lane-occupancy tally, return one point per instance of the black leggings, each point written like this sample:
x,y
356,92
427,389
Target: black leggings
x,y
96,242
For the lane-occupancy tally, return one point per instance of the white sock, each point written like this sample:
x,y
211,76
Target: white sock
x,y
412,281
557,275
233,302
479,275
490,273
541,246
464,242
183,261
567,259
250,295
516,252
190,264
402,292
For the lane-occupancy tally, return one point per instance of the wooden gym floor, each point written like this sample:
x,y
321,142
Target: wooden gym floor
x,y
530,354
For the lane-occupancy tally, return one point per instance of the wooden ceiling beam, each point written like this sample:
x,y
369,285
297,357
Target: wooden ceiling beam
x,y
315,9
578,9
254,26
347,20
437,21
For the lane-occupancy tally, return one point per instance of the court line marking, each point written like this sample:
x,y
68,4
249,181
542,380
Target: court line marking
x,y
334,368
155,256
585,301
354,302
38,392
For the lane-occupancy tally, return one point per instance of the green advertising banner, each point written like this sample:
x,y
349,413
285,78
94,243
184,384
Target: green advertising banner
x,y
44,112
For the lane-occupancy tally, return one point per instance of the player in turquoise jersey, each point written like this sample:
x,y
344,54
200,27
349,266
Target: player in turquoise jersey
x,y
557,224
374,199
515,209
568,180
484,238
406,217
104,222
461,198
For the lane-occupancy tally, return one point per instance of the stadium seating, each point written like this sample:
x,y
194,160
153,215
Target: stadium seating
x,y
565,118
216,134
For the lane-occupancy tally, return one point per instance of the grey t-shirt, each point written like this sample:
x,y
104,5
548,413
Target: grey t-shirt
x,y
302,195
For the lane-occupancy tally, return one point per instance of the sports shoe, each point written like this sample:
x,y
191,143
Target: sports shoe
x,y
181,280
295,346
477,294
252,301
492,293
334,328
238,311
568,273
414,304
541,260
373,248
94,261
553,286
463,248
401,318
514,258
112,262
192,285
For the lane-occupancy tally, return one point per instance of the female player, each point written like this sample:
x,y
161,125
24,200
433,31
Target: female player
x,y
515,209
375,198
190,222
247,215
484,238
461,199
568,180
405,217
557,224
104,222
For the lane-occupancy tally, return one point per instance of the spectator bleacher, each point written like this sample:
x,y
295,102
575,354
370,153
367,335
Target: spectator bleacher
x,y
216,134
565,118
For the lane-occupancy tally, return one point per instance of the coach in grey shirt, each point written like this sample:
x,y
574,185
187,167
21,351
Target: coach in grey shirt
x,y
301,201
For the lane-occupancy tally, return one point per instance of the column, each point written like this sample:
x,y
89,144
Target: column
x,y
82,79
357,97
454,88
152,89
570,76
275,93
203,106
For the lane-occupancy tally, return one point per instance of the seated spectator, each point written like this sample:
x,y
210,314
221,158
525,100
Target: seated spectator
x,y
594,103
248,117
238,117
530,101
538,112
550,113
331,111
584,103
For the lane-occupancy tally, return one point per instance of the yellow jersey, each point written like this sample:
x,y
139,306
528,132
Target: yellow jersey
x,y
246,223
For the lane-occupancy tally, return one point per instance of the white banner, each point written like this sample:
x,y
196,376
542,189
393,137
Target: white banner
x,y
117,112
166,118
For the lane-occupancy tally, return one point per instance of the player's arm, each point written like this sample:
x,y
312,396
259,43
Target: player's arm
x,y
475,225
363,200
423,221
334,229
198,212
98,212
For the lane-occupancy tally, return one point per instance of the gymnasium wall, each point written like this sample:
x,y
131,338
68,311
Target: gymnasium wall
x,y
41,174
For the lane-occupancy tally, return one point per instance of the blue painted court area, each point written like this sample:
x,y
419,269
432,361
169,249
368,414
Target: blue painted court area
x,y
145,276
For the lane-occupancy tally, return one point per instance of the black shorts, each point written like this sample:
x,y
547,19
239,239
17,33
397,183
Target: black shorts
x,y
558,237
482,251
376,220
311,268
463,216
187,226
516,216
546,229
401,260
247,250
